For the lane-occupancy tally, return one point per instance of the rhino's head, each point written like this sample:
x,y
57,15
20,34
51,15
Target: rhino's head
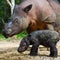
x,y
19,21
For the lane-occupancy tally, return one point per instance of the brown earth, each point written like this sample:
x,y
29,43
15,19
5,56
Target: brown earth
x,y
8,51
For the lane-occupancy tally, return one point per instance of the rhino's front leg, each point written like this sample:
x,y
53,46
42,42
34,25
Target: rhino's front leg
x,y
50,26
34,49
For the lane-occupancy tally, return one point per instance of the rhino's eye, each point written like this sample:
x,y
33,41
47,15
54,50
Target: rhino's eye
x,y
24,44
28,8
16,20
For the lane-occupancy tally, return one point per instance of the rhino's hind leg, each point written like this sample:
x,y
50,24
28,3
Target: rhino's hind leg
x,y
53,50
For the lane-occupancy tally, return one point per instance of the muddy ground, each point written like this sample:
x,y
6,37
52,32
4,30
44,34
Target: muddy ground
x,y
8,51
12,54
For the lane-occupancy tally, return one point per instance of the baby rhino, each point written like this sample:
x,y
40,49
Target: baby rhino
x,y
46,38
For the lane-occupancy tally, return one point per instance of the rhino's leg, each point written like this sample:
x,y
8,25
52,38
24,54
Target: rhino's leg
x,y
53,50
34,49
50,26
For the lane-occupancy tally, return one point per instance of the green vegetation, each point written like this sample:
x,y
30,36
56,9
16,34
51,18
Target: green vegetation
x,y
1,36
5,14
22,34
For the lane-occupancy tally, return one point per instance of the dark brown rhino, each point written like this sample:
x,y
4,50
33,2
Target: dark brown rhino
x,y
33,15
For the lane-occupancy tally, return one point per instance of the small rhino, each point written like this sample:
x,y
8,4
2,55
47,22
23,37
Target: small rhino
x,y
46,38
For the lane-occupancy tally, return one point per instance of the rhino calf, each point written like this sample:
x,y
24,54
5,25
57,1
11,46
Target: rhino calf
x,y
46,38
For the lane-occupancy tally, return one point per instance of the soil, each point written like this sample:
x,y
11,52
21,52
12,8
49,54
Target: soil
x,y
8,51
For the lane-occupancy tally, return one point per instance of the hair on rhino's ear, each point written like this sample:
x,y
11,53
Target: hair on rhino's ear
x,y
28,8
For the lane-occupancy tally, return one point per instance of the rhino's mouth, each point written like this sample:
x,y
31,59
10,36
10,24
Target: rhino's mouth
x,y
11,34
5,35
21,50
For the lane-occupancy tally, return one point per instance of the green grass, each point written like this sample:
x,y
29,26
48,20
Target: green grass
x,y
22,34
2,37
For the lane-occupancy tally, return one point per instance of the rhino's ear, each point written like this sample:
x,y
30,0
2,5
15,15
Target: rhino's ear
x,y
28,8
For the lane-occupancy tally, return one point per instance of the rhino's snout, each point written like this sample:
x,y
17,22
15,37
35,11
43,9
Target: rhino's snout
x,y
6,32
20,50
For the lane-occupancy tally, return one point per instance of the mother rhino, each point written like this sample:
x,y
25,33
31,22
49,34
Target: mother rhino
x,y
33,15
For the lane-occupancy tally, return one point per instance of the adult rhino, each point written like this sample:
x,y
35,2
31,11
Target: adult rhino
x,y
33,15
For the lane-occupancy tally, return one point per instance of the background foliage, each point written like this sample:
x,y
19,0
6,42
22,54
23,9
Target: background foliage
x,y
4,12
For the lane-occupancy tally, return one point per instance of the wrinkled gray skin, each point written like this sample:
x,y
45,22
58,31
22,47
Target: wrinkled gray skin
x,y
32,10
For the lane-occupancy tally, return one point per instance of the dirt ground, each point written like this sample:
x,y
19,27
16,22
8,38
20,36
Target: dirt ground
x,y
12,54
8,51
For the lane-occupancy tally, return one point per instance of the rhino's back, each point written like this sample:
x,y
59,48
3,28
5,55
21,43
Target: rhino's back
x,y
42,6
55,4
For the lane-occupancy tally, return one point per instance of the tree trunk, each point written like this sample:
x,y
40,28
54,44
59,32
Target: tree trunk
x,y
12,7
12,4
